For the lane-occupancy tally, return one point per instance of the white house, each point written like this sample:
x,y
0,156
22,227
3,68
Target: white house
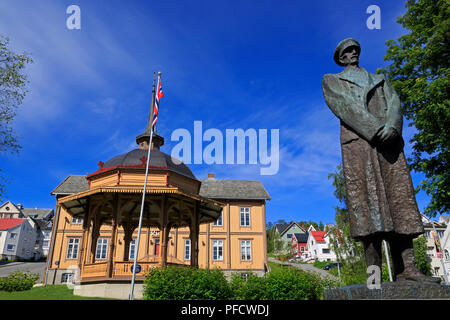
x,y
436,265
445,242
18,239
42,220
319,246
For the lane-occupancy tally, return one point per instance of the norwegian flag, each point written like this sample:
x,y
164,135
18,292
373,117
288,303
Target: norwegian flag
x,y
159,95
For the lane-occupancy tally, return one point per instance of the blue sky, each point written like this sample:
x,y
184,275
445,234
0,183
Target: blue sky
x,y
229,64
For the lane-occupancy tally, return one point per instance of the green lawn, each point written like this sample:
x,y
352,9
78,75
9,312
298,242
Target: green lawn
x,y
276,266
54,292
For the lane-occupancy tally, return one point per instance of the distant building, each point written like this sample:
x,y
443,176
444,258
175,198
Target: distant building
x,y
287,231
300,245
445,242
319,246
18,239
41,219
432,250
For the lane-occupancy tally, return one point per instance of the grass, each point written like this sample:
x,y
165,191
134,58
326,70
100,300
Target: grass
x,y
321,264
53,292
274,267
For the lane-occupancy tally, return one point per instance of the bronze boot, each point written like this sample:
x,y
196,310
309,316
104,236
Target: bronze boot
x,y
403,260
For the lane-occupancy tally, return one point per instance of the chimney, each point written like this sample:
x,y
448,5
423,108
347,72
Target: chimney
x,y
210,175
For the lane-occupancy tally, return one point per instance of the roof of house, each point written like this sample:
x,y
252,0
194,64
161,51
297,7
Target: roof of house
x,y
36,213
281,227
44,225
318,235
8,223
210,188
72,184
233,189
301,237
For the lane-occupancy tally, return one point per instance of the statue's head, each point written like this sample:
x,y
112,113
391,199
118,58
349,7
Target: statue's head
x,y
347,52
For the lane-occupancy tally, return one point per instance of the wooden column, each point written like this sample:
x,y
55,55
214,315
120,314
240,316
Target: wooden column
x,y
97,223
228,236
81,258
112,246
164,232
128,228
193,235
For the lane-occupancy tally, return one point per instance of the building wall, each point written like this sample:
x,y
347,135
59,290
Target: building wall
x,y
231,233
24,242
287,236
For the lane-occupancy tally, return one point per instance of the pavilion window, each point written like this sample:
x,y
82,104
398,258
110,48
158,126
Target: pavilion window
x,y
132,249
246,250
219,221
77,221
102,247
245,217
217,248
187,249
72,248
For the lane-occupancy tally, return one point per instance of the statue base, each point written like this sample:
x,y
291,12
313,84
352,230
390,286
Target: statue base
x,y
399,290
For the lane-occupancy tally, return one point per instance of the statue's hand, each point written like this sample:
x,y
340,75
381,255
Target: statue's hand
x,y
387,133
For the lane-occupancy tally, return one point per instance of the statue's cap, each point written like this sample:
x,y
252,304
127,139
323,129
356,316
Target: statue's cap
x,y
342,46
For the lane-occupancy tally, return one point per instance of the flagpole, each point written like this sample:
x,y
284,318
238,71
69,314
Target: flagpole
x,y
131,297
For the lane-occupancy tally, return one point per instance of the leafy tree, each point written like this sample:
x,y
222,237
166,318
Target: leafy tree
x,y
420,255
274,242
343,244
12,92
420,73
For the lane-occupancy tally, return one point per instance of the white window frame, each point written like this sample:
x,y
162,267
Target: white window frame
x,y
77,221
132,249
102,244
246,250
10,247
217,250
219,221
45,243
72,248
244,216
187,249
13,235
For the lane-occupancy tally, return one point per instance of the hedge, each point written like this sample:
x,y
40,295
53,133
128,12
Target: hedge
x,y
186,283
18,281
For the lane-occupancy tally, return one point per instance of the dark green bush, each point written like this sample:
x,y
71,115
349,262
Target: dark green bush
x,y
185,283
18,281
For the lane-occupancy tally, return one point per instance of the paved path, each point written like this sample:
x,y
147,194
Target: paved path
x,y
307,267
33,267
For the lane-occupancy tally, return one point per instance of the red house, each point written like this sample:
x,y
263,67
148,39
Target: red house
x,y
299,244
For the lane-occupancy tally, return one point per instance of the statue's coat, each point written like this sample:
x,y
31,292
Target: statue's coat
x,y
380,194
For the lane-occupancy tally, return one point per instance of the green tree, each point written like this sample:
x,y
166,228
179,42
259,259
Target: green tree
x,y
420,73
420,255
342,242
274,242
12,92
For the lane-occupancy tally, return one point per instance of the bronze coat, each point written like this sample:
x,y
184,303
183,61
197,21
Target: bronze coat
x,y
380,194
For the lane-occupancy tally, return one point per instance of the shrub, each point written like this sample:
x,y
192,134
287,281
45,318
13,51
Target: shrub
x,y
18,281
185,283
282,284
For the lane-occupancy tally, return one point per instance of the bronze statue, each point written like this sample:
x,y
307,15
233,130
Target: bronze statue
x,y
380,194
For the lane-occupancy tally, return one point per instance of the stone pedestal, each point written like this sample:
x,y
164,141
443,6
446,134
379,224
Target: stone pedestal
x,y
400,290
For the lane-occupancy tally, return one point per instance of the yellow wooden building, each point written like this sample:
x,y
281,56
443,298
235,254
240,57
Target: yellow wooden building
x,y
205,223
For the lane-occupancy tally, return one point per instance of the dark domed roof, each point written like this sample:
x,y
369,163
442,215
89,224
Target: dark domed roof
x,y
138,158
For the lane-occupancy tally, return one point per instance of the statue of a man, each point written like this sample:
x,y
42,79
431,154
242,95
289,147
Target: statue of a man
x,y
380,194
